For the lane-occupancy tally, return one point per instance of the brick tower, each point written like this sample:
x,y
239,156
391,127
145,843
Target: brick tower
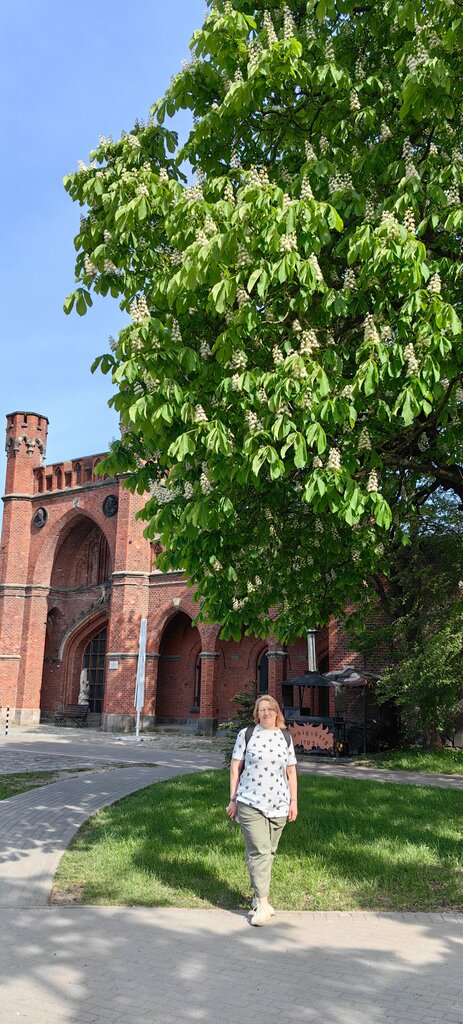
x,y
26,438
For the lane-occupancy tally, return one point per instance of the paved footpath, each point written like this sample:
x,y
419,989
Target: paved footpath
x,y
111,965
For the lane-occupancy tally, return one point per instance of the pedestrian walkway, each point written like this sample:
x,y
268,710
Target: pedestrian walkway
x,y
352,771
112,965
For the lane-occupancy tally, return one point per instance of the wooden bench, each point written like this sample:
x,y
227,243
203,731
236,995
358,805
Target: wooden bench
x,y
72,712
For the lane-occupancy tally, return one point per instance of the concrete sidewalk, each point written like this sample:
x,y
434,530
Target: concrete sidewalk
x,y
104,965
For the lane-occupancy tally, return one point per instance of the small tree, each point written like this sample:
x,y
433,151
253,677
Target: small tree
x,y
244,701
427,683
415,618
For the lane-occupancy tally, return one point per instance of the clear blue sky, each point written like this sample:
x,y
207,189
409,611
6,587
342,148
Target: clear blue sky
x,y
68,73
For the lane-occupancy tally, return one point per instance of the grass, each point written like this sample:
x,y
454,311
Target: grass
x,y
11,785
443,762
356,845
20,782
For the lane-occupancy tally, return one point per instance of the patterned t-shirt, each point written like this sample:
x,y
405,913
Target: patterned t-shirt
x,y
264,782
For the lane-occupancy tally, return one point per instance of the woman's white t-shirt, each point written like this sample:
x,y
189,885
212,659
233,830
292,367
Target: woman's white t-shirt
x,y
264,782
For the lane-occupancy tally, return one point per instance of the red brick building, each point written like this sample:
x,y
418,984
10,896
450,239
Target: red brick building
x,y
76,578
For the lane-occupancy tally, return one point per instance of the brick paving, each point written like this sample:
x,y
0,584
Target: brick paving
x,y
109,965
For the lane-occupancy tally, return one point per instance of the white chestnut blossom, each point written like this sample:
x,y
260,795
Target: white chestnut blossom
x,y
364,440
139,310
413,366
253,422
334,459
201,237
434,284
89,268
409,220
370,210
309,342
269,29
255,53
200,415
289,25
205,350
370,332
373,482
204,482
175,332
350,280
329,51
452,195
316,266
288,242
238,360
306,188
354,101
278,356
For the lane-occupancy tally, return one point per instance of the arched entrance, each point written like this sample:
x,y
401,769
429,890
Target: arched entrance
x,y
94,663
178,692
78,609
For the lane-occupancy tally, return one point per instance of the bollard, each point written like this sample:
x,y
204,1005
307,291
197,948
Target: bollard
x,y
7,721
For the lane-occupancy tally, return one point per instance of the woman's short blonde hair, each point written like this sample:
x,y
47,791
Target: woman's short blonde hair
x,y
280,722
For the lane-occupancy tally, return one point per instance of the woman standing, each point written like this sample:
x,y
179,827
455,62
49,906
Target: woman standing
x,y
263,796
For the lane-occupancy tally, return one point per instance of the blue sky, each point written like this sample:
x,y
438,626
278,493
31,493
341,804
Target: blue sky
x,y
68,74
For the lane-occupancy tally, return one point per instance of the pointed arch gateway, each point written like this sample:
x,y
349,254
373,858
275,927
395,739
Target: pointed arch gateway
x,y
78,601
178,691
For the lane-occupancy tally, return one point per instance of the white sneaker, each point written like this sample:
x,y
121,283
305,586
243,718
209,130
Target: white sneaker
x,y
255,904
262,914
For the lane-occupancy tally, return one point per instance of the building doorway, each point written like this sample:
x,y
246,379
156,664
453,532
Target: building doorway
x,y
94,661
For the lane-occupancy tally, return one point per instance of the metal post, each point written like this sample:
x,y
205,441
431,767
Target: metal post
x,y
7,721
364,719
311,650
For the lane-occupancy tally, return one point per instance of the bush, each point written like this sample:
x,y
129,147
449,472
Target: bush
x,y
244,701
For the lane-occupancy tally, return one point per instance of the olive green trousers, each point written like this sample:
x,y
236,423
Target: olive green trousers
x,y
261,836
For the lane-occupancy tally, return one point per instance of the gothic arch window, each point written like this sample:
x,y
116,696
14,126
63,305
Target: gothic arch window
x,y
94,661
58,479
197,683
78,472
262,673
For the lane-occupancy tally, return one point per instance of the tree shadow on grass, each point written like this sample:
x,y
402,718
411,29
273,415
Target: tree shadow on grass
x,y
355,844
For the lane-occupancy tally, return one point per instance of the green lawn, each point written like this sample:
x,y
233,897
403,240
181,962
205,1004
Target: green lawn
x,y
11,785
443,762
356,845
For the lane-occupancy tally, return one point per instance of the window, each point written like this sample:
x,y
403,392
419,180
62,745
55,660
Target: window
x,y
262,673
94,661
197,684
